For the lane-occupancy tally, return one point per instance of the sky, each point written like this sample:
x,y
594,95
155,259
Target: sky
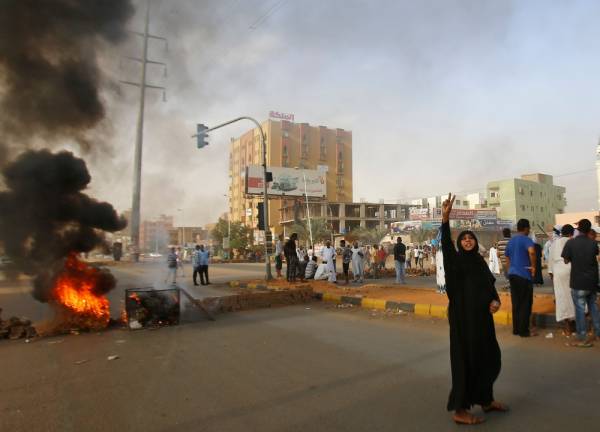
x,y
439,95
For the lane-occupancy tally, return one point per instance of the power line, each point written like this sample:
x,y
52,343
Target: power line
x,y
261,19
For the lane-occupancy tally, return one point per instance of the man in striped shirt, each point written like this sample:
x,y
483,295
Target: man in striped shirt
x,y
500,250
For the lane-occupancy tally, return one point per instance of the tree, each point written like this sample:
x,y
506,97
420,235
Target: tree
x,y
367,235
320,230
241,236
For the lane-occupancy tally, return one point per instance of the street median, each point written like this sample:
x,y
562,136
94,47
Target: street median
x,y
422,301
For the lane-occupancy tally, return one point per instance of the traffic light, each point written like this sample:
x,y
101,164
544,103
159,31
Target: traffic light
x,y
261,216
202,136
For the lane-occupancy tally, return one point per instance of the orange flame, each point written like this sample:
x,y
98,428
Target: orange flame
x,y
74,290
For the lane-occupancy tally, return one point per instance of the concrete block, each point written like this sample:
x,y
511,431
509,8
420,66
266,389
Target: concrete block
x,y
501,317
438,311
422,309
332,298
356,301
371,303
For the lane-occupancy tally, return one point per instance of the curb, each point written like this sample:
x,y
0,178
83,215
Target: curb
x,y
421,309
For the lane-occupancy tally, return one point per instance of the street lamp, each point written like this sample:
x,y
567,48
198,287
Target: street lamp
x,y
307,208
201,137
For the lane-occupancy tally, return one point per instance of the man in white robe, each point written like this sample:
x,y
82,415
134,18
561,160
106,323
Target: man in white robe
x,y
328,255
559,273
358,263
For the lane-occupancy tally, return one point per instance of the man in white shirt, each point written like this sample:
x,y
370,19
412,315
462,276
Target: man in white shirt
x,y
328,254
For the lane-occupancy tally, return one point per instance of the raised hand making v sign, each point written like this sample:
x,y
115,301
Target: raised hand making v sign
x,y
447,207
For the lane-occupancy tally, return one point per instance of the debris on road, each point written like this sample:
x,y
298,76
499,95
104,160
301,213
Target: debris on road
x,y
56,341
79,362
550,336
16,328
112,357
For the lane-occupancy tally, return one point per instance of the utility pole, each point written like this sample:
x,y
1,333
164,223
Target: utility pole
x,y
139,136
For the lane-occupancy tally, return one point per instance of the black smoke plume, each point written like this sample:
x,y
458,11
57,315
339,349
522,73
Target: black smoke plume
x,y
45,216
49,73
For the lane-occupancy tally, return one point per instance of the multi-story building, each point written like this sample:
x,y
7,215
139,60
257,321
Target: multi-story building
x,y
154,235
289,145
344,217
533,196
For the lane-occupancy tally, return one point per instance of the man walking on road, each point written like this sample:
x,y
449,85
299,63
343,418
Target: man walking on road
x,y
399,260
521,262
582,253
196,264
204,258
172,267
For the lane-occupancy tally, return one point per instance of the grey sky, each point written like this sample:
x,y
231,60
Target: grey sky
x,y
439,95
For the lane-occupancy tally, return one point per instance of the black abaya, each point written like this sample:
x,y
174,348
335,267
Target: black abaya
x,y
474,351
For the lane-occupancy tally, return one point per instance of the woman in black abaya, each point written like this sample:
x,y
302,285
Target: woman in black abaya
x,y
474,350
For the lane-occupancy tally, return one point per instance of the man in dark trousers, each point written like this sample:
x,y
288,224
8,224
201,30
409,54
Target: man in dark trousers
x,y
399,260
291,257
521,262
582,253
204,258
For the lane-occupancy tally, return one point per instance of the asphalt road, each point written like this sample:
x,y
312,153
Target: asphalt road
x,y
15,296
301,368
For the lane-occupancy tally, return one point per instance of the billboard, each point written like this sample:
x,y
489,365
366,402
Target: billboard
x,y
417,213
467,214
281,116
286,181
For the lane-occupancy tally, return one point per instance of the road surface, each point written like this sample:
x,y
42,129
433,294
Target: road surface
x,y
300,368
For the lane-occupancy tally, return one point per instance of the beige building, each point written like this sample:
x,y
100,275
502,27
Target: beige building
x,y
289,145
573,218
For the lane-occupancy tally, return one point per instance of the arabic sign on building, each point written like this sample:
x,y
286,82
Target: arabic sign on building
x,y
286,181
418,213
281,116
464,214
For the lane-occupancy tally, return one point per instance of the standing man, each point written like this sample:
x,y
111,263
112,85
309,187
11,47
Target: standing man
x,y
291,257
521,262
358,265
399,260
416,255
196,264
381,255
179,255
172,266
279,255
582,253
346,259
328,255
204,258
501,247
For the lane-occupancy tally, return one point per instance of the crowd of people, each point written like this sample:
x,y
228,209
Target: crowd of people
x,y
357,259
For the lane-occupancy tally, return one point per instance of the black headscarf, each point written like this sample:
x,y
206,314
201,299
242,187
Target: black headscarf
x,y
472,261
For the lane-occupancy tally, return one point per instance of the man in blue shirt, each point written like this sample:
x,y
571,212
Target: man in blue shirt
x,y
521,262
203,259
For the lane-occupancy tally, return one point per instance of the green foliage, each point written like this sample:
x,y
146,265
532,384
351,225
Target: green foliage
x,y
320,230
242,237
367,235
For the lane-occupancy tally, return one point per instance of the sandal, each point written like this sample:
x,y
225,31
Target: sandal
x,y
495,406
469,419
584,344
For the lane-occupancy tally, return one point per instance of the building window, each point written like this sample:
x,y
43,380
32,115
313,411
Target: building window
x,y
322,149
494,194
530,193
522,207
457,202
284,156
521,191
286,134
